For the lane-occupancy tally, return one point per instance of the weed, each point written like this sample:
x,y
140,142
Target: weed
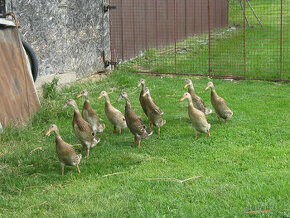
x,y
49,89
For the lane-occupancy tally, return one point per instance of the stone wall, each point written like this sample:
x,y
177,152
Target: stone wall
x,y
67,35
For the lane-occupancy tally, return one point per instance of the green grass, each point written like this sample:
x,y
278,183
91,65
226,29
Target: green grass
x,y
227,47
243,166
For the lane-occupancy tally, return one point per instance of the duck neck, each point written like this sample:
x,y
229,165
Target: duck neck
x,y
190,101
87,98
191,89
213,91
143,87
107,99
128,104
148,95
57,135
76,109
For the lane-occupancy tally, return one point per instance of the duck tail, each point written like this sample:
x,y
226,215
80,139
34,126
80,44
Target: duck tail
x,y
79,157
149,133
95,141
101,128
208,111
232,113
163,122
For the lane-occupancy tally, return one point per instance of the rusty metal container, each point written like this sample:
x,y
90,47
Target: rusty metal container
x,y
18,98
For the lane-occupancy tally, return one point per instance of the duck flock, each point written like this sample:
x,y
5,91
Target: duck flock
x,y
87,125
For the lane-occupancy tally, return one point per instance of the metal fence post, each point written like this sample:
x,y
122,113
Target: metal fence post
x,y
244,37
111,39
175,37
209,37
281,42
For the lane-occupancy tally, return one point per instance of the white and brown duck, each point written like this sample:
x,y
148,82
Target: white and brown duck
x,y
134,122
82,128
114,115
65,152
153,112
197,117
197,101
90,115
219,104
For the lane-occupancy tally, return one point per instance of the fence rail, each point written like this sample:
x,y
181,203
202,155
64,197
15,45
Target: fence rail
x,y
219,38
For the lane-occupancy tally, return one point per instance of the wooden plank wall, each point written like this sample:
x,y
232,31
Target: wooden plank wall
x,y
141,24
18,99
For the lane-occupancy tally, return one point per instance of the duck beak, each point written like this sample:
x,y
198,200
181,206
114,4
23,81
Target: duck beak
x,y
185,85
48,132
99,97
182,98
139,84
79,95
206,88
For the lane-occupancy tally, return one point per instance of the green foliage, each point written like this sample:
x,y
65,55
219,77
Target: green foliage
x,y
49,89
243,165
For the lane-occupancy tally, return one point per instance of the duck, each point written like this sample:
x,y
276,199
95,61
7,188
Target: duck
x,y
219,104
82,128
154,113
134,121
90,115
143,98
197,101
114,115
197,117
65,152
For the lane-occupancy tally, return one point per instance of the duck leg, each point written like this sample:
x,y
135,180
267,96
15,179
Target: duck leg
x,y
84,148
62,169
208,132
78,169
135,139
150,126
88,152
115,129
219,118
195,134
139,143
120,131
158,131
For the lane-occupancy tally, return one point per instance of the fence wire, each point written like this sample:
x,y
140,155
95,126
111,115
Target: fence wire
x,y
231,38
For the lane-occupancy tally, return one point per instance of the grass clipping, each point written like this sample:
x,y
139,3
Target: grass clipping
x,y
173,179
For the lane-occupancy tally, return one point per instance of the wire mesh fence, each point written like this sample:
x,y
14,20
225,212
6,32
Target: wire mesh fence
x,y
222,38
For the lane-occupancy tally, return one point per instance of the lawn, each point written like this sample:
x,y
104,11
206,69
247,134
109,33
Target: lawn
x,y
227,46
242,167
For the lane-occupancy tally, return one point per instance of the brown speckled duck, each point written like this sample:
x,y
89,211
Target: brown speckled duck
x,y
90,115
143,98
219,104
114,115
197,117
65,152
134,122
197,101
154,113
82,128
